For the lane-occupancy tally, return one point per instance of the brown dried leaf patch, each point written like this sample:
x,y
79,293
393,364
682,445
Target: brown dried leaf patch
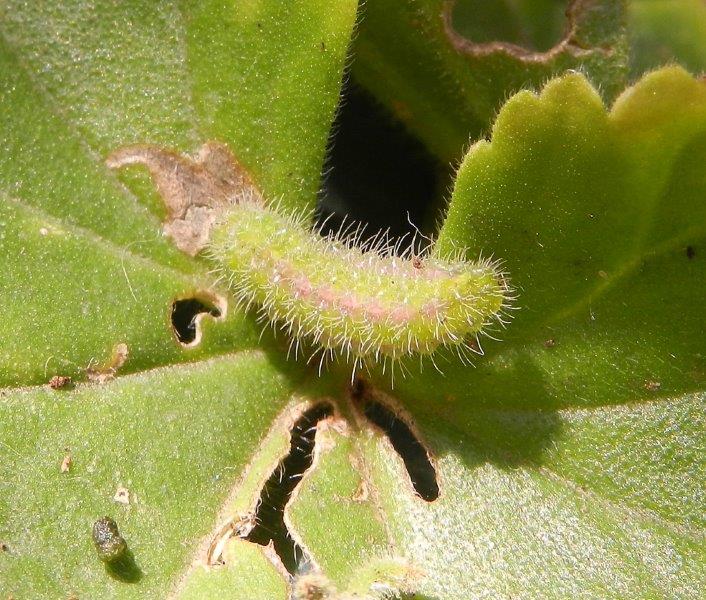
x,y
195,190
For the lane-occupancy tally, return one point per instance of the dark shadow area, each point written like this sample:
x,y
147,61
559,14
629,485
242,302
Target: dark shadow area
x,y
377,173
124,569
508,439
185,313
479,414
411,450
270,525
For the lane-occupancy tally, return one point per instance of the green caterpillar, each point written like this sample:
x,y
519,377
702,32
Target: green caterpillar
x,y
365,303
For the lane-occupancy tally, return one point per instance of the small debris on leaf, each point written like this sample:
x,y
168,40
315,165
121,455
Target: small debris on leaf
x,y
550,343
120,353
313,586
652,386
239,527
110,545
361,493
122,495
59,382
66,462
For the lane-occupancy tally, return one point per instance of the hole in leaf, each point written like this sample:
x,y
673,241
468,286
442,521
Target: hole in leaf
x,y
269,518
188,312
411,450
533,26
376,172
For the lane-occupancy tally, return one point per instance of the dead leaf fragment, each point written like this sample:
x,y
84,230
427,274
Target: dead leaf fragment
x,y
195,190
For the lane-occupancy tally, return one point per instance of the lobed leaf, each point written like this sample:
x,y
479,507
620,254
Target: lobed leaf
x,y
416,57
568,461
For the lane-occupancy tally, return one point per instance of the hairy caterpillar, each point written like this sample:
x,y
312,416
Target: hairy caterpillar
x,y
363,302
366,303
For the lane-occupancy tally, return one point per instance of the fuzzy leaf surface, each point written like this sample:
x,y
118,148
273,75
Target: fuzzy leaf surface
x,y
569,458
570,468
81,79
86,269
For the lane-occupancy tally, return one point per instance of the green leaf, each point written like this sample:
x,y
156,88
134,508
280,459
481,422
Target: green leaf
x,y
568,460
66,317
160,434
599,219
338,484
247,574
260,76
72,90
664,31
86,270
444,68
